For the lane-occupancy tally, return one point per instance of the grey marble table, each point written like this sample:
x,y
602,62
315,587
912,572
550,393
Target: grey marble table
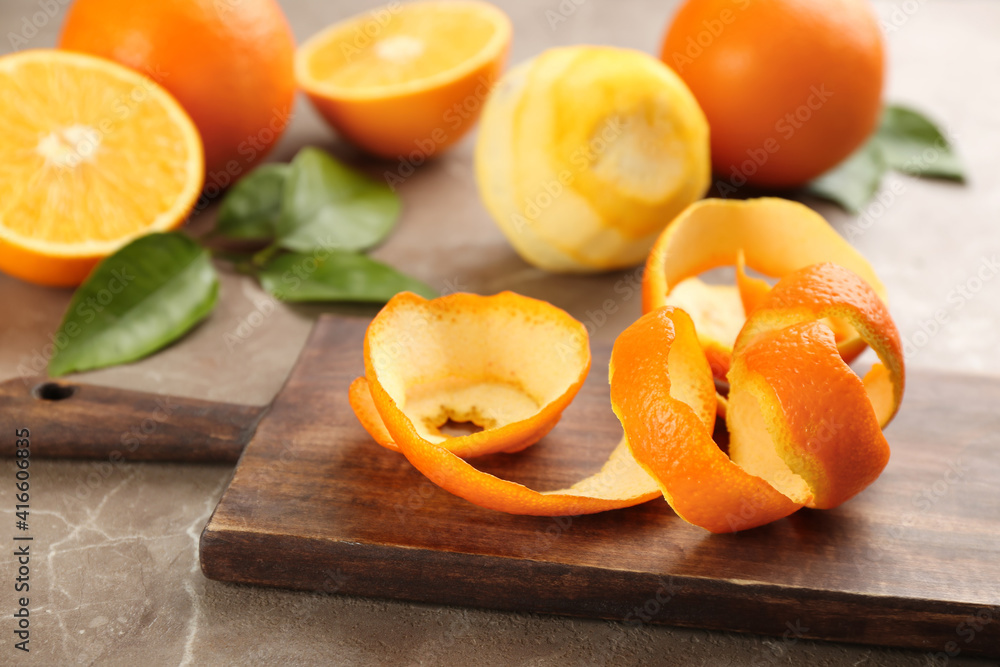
x,y
115,576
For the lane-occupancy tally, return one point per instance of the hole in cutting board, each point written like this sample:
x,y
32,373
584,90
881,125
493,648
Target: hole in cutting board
x,y
53,391
454,429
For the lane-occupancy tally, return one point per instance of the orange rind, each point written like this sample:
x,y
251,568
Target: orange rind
x,y
804,429
507,363
811,433
662,391
830,293
798,416
769,235
406,81
360,397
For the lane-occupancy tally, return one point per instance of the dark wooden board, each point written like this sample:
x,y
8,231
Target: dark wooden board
x,y
914,561
79,421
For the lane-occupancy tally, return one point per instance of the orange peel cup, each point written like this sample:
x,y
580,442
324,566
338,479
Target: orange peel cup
x,y
508,363
805,430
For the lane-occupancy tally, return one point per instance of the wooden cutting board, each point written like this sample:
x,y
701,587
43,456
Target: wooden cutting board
x,y
69,420
914,561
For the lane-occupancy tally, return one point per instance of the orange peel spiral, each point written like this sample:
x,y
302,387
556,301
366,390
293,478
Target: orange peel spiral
x,y
448,358
805,430
772,236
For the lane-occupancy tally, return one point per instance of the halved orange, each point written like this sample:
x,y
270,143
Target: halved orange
x,y
406,81
93,156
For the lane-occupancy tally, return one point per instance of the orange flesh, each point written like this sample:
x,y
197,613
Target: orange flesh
x,y
94,155
409,46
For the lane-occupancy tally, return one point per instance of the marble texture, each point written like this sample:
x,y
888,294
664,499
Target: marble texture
x,y
115,578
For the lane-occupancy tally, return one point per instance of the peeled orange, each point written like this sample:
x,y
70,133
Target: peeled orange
x,y
586,153
93,156
406,80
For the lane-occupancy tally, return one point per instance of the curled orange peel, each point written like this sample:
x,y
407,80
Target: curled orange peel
x,y
507,363
772,236
450,358
805,430
797,414
656,367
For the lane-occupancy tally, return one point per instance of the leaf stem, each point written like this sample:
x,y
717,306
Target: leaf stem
x,y
229,255
261,258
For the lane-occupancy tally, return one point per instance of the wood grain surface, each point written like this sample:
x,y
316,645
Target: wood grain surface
x,y
914,561
80,421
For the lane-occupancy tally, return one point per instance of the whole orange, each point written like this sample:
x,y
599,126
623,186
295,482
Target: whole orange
x,y
790,87
230,63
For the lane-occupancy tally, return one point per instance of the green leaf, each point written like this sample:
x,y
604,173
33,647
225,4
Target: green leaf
x,y
251,208
905,141
912,144
329,206
146,295
853,182
339,276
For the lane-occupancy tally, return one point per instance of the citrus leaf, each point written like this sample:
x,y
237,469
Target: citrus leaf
x,y
906,141
336,276
853,182
912,144
146,295
327,205
251,208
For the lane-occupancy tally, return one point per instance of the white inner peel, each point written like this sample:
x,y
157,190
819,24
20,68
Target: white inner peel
x,y
486,403
399,48
716,310
68,147
752,448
